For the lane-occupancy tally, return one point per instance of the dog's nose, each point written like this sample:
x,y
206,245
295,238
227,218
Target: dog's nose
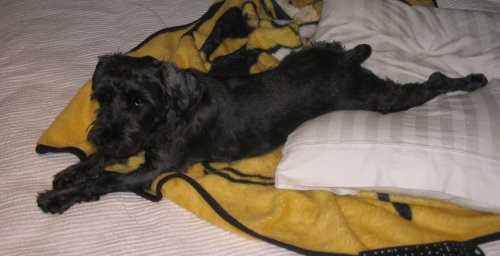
x,y
108,146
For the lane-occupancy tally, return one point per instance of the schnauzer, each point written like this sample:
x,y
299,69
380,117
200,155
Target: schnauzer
x,y
180,117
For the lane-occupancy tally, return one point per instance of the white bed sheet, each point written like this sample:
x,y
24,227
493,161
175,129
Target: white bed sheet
x,y
48,49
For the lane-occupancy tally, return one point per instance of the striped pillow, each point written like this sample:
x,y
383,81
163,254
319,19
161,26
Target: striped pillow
x,y
478,5
447,149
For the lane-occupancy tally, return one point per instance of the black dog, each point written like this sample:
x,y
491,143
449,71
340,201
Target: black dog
x,y
180,117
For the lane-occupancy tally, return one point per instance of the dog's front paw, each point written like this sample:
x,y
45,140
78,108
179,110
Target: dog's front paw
x,y
53,202
59,201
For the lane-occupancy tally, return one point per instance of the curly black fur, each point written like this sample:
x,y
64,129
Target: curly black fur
x,y
180,117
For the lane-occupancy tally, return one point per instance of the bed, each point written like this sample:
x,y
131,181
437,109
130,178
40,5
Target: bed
x,y
49,50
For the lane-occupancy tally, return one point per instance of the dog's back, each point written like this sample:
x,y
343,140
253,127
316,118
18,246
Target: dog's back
x,y
257,112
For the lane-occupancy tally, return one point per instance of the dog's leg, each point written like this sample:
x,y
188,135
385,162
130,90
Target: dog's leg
x,y
60,200
79,173
387,96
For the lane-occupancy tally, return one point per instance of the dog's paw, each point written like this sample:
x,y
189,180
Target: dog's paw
x,y
52,202
59,201
445,84
474,82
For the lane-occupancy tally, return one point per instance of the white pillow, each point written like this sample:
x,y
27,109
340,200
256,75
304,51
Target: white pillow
x,y
447,149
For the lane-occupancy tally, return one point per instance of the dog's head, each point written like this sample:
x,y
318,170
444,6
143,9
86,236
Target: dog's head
x,y
135,96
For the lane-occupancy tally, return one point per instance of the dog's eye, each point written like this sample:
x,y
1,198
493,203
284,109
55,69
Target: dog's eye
x,y
107,97
103,97
138,102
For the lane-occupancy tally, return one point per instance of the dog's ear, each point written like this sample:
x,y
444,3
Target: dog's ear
x,y
98,70
180,85
103,61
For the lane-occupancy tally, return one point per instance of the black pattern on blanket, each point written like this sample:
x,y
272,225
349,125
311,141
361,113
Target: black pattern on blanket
x,y
237,36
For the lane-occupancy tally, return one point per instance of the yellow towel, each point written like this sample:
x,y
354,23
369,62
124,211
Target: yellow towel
x,y
240,37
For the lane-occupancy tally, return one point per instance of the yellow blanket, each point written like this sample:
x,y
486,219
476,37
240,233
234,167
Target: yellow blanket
x,y
240,36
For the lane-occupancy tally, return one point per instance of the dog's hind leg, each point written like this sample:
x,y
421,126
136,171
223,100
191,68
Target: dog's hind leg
x,y
385,96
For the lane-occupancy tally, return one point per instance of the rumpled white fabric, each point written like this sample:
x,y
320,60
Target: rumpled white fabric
x,y
447,149
48,49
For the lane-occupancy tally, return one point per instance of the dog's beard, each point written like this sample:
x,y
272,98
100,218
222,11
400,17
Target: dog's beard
x,y
118,142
